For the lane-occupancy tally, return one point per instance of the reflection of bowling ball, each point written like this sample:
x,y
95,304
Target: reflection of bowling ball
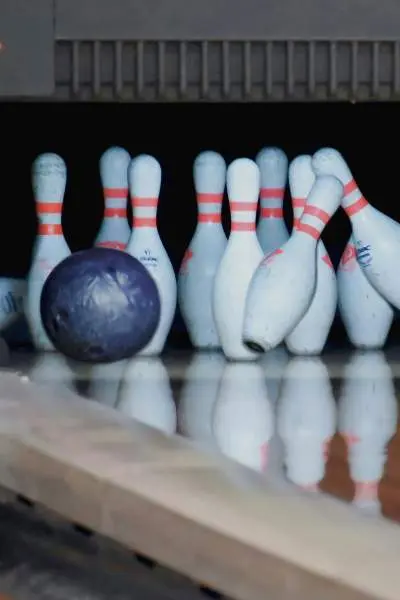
x,y
100,305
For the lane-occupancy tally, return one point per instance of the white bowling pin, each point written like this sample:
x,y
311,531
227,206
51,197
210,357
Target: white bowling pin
x,y
146,395
12,292
114,231
310,334
377,236
49,177
243,422
202,258
367,421
366,315
198,396
144,175
272,232
242,256
283,285
306,420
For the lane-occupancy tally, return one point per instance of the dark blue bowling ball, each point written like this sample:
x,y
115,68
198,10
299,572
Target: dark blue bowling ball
x,y
100,305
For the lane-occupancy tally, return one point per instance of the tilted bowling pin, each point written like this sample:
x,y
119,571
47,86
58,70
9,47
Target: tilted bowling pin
x,y
243,421
366,315
310,334
306,420
272,232
146,395
144,176
202,258
367,420
242,256
114,231
283,285
49,177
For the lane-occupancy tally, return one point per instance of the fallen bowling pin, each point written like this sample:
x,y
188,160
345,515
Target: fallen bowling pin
x,y
310,334
283,285
242,256
376,236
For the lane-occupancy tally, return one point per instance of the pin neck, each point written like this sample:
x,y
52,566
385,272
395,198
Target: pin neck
x,y
313,221
271,201
144,212
209,207
243,216
353,201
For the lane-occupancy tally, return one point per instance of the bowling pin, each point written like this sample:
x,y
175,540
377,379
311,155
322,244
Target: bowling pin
x,y
199,395
242,255
202,258
114,231
243,421
144,176
272,232
146,395
283,285
12,292
306,420
366,315
310,334
367,421
49,177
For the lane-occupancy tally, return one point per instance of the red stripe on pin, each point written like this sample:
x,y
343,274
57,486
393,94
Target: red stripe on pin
x,y
309,229
50,229
353,209
114,245
48,208
298,202
350,187
209,198
243,206
314,211
115,212
209,218
266,193
115,192
267,213
243,226
144,202
144,222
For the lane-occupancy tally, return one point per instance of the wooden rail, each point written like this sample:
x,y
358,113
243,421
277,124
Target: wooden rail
x,y
186,509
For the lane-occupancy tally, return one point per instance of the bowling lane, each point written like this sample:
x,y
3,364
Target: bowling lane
x,y
324,424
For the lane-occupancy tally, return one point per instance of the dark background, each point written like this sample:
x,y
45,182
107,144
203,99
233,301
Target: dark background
x,y
366,134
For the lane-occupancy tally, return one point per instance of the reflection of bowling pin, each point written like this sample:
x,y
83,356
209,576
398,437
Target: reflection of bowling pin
x,y
242,255
310,334
52,369
274,363
202,258
283,285
198,396
243,421
272,232
49,176
367,421
306,420
145,394
114,231
104,382
145,244
366,315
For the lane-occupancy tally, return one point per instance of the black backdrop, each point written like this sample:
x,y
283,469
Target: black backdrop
x,y
366,134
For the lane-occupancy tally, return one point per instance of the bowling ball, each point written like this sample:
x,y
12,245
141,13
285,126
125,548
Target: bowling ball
x,y
100,305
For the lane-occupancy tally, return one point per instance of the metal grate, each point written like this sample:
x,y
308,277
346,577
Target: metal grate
x,y
257,71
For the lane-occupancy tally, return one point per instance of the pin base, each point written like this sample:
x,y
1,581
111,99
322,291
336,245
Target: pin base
x,y
254,346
